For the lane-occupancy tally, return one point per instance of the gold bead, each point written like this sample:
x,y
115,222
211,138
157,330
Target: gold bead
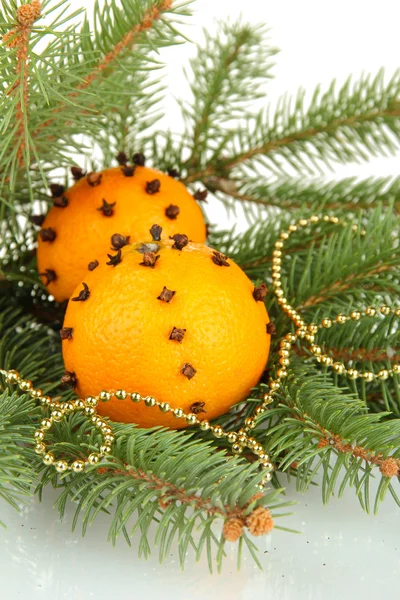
x,y
278,244
250,422
106,429
251,442
277,254
40,448
178,413
89,410
267,478
303,222
259,411
57,415
61,466
93,458
385,310
353,373
339,367
301,332
383,374
267,399
263,456
205,425
326,323
396,369
120,394
36,394
91,401
326,360
25,385
284,344
96,420
314,219
105,396
231,437
242,438
267,465
284,235
150,401
45,401
291,337
46,423
79,404
285,362
354,228
217,431
109,438
105,449
237,448
274,385
279,292
334,220
12,376
355,315
135,397
397,312
368,376
78,466
39,434
276,268
370,311
341,319
316,350
292,228
164,407
48,458
325,218
258,449
284,353
310,338
313,328
191,419
282,373
68,407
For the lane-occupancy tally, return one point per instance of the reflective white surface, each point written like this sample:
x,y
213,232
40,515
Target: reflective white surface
x,y
341,554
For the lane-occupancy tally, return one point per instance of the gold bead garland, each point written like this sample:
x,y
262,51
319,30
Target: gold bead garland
x,y
238,440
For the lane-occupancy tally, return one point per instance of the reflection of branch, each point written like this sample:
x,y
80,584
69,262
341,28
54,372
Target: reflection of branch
x,y
18,38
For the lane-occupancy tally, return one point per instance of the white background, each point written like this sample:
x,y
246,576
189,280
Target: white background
x,y
342,553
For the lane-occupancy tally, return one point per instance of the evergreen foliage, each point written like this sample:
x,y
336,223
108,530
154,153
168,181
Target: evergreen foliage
x,y
69,86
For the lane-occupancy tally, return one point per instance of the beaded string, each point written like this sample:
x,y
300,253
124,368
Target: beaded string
x,y
305,332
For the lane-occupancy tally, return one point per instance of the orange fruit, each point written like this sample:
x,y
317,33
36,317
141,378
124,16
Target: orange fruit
x,y
173,320
77,230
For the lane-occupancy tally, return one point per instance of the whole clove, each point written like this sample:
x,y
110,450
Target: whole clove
x,y
172,211
166,295
155,232
83,294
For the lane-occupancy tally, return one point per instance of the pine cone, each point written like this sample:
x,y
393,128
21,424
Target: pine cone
x,y
259,521
389,467
233,529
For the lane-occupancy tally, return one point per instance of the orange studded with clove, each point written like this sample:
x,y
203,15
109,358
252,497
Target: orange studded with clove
x,y
184,328
104,210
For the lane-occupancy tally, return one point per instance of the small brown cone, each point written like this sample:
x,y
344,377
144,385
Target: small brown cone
x,y
233,529
259,521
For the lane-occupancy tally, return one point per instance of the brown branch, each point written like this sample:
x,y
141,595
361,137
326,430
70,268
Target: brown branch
x,y
340,286
258,521
128,40
18,38
274,144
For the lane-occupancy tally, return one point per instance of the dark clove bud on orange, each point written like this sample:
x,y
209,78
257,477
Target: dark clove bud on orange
x,y
149,259
155,232
153,186
172,211
38,220
56,190
83,294
166,295
50,276
177,334
94,178
219,259
69,378
77,173
180,240
114,260
122,158
93,265
198,407
271,329
119,241
107,208
188,371
66,333
173,173
260,292
60,202
139,159
201,195
48,234
128,170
